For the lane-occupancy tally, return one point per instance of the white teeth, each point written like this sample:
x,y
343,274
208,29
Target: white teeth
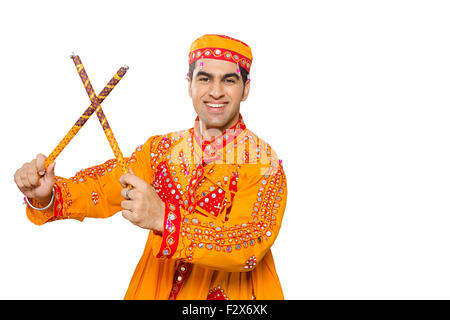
x,y
214,105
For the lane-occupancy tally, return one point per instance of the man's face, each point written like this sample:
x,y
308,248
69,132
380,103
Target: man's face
x,y
217,91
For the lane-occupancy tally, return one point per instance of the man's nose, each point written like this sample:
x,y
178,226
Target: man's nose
x,y
216,91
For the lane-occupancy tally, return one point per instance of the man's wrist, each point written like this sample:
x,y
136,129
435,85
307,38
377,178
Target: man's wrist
x,y
43,203
159,226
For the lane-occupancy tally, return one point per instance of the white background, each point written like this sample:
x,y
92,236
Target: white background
x,y
354,96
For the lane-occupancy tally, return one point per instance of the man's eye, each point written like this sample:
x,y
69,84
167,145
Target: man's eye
x,y
230,80
203,79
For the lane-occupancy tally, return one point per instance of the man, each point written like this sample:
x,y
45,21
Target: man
x,y
213,196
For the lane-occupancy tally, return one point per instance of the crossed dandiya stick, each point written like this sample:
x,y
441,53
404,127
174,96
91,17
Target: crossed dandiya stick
x,y
94,107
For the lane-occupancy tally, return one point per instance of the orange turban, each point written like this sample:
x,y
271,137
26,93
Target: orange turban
x,y
214,46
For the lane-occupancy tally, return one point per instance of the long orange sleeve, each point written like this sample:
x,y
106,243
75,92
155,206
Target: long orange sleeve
x,y
93,192
239,243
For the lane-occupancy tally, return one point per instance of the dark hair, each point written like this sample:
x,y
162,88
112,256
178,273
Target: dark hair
x,y
244,73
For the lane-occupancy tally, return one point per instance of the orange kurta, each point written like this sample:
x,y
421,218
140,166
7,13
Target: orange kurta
x,y
224,203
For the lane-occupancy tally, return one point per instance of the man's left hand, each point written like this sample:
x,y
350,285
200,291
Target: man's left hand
x,y
143,207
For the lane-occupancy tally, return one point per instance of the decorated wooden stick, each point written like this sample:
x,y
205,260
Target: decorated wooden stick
x,y
85,116
100,114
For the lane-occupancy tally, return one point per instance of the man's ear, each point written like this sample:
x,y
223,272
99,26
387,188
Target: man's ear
x,y
246,90
189,87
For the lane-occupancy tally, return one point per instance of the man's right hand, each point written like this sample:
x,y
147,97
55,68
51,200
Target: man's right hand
x,y
34,181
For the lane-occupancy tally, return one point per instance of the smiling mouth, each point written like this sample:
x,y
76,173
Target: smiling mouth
x,y
215,105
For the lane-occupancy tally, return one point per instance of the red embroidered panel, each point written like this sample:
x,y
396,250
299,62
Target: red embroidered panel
x,y
58,205
217,294
180,276
167,189
212,202
171,232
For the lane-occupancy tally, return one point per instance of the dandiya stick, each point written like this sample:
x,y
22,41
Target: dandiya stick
x,y
100,114
85,116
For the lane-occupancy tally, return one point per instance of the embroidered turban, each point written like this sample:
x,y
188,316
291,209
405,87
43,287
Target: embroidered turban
x,y
214,46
